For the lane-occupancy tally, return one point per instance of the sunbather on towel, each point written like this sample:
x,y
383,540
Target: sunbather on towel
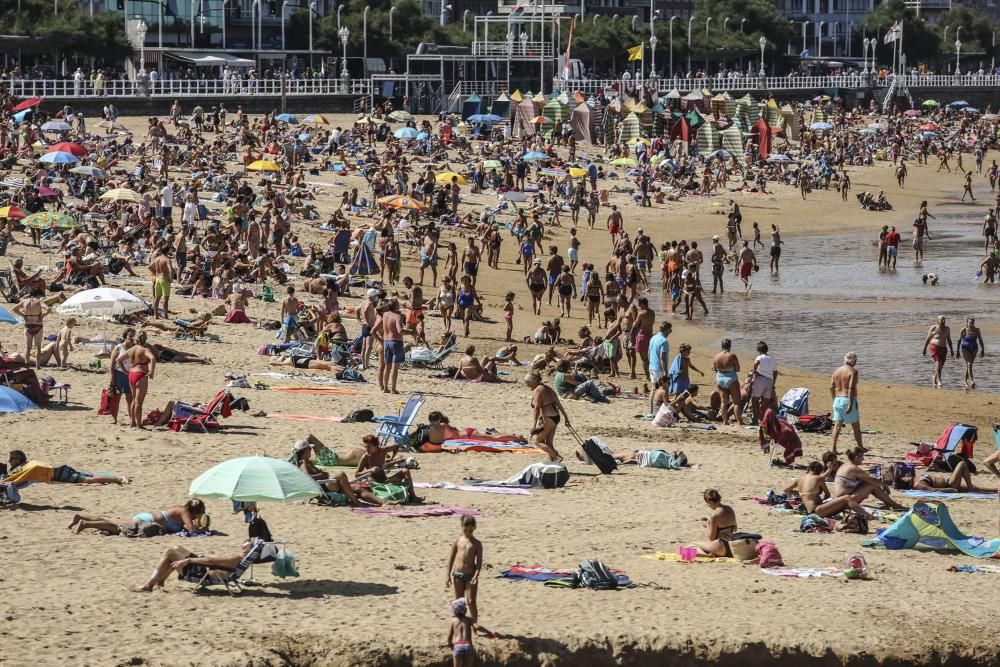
x,y
171,520
960,481
374,463
649,458
853,480
337,483
470,368
816,496
196,327
305,363
21,472
190,566
720,528
441,430
166,355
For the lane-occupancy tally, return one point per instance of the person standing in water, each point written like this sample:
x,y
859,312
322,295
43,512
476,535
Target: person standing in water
x,y
844,391
939,339
776,243
970,341
891,247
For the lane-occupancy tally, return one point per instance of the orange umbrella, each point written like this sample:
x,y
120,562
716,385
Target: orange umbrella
x,y
401,201
539,119
68,147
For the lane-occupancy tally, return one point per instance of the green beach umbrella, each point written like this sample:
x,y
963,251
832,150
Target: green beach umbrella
x,y
254,479
47,219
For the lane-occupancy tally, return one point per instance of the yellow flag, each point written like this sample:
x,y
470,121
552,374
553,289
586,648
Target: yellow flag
x,y
635,53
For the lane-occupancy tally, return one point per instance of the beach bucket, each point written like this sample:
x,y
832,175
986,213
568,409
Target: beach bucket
x,y
687,553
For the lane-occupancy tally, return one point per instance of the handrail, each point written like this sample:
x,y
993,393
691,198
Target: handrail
x,y
117,88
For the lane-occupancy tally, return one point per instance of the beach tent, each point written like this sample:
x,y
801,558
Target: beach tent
x,y
554,110
760,135
746,111
540,101
630,128
681,130
523,113
791,123
364,263
660,117
771,113
709,139
12,401
501,106
930,525
472,105
516,96
579,120
597,119
645,117
732,140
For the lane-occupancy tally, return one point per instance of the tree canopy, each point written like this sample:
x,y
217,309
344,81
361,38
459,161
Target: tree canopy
x,y
71,31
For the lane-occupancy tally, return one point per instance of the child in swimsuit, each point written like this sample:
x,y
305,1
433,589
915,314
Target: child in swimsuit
x,y
460,635
508,314
464,564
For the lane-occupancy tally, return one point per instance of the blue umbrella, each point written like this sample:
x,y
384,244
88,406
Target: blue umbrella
x,y
406,133
59,157
958,104
536,155
485,118
14,401
20,115
364,263
821,126
287,118
722,154
7,317
970,110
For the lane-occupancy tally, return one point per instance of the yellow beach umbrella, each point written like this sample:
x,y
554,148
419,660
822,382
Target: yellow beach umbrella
x,y
263,165
576,172
316,119
446,177
122,194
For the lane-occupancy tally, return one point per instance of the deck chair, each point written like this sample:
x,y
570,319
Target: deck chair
x,y
229,579
422,357
955,439
189,418
397,427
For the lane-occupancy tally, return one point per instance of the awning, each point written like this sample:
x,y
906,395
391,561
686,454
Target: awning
x,y
207,59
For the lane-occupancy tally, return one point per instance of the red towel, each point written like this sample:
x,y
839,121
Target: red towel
x,y
781,432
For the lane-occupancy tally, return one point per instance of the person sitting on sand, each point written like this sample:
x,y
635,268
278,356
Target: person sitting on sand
x,y
172,520
816,497
376,462
852,480
960,481
338,484
441,430
189,566
470,368
721,526
237,314
20,472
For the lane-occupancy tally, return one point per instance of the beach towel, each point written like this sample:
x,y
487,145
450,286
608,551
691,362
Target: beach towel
x,y
450,486
780,432
540,573
674,557
437,510
803,572
487,446
317,391
930,525
304,418
975,569
941,495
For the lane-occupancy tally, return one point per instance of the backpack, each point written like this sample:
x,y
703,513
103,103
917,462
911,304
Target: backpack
x,y
598,453
349,374
357,416
814,423
420,435
595,575
546,475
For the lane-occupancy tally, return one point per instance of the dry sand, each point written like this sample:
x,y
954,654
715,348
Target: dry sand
x,y
371,590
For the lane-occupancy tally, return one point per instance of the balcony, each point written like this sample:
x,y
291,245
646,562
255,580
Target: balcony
x,y
934,5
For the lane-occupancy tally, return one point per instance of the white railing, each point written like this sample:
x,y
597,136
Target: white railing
x,y
187,88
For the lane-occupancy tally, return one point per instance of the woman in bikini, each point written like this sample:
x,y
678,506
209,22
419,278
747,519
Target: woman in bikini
x,y
852,480
970,343
960,481
337,484
446,301
171,520
546,413
721,526
727,372
33,310
142,366
816,497
595,292
467,299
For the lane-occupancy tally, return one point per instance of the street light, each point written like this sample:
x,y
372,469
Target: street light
x,y
282,17
690,21
344,34
364,38
958,56
652,55
819,39
725,22
634,19
392,10
866,43
510,49
465,16
742,21
671,72
707,21
140,31
804,24
444,10
254,34
193,5
312,9
763,43
340,8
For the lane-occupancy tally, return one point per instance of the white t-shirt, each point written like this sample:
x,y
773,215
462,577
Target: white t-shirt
x,y
766,366
167,197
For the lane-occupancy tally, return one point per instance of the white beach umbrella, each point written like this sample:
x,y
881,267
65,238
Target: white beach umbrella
x,y
102,302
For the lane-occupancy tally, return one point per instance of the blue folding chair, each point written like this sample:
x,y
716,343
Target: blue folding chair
x,y
397,427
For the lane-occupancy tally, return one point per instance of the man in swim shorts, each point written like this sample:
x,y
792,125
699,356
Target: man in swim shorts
x,y
392,347
161,271
939,340
844,391
645,318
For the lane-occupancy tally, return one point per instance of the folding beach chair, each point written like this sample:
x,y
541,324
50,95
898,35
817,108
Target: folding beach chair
x,y
955,439
422,357
397,427
189,418
226,578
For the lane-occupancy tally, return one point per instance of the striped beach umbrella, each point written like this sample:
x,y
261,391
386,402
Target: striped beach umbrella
x,y
122,194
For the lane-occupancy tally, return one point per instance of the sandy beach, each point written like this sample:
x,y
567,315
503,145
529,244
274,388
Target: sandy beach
x,y
371,590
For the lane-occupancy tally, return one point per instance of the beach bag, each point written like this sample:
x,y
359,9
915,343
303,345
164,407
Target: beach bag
x,y
110,399
744,546
664,417
358,416
258,529
546,475
600,455
9,495
814,423
769,555
351,375
391,492
420,435
143,529
597,576
853,523
284,564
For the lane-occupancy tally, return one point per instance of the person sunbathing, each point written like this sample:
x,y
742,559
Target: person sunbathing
x,y
816,497
191,567
960,481
376,461
641,456
171,520
167,355
470,368
21,472
441,430
721,526
337,484
196,327
305,362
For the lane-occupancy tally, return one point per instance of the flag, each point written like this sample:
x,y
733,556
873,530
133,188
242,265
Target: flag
x,y
635,53
894,33
569,43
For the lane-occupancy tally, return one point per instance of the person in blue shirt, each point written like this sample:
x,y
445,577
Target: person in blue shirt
x,y
659,353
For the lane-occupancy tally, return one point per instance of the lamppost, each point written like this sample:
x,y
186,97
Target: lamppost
x,y
652,56
707,21
742,21
634,19
140,31
819,39
524,42
690,21
725,22
804,24
254,34
763,43
866,43
958,57
444,10
340,8
282,17
392,10
364,39
193,5
344,74
510,49
465,16
312,9
671,72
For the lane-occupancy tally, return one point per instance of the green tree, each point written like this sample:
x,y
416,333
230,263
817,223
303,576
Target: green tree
x,y
70,32
921,41
976,32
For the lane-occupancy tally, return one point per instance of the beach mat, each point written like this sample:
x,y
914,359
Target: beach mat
x,y
489,446
450,486
304,418
419,512
317,391
941,495
803,572
674,557
541,573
